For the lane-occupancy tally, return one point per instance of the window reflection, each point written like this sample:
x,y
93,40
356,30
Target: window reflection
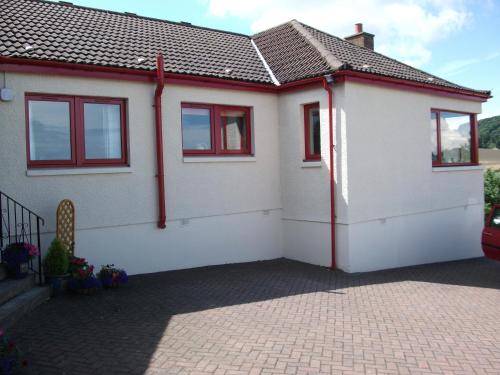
x,y
455,137
196,130
49,130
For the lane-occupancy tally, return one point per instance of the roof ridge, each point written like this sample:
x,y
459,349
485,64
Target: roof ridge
x,y
326,54
256,35
390,58
266,65
134,15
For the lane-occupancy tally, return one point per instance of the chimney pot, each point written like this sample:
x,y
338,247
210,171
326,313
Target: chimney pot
x,y
360,37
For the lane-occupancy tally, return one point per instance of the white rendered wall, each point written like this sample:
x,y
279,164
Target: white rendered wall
x,y
305,189
388,195
401,211
215,211
143,248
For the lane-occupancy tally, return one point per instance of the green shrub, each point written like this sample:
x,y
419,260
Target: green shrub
x,y
56,261
491,189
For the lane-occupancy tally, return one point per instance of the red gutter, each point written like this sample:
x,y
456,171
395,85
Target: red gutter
x,y
13,64
297,85
23,65
328,89
369,78
218,83
160,84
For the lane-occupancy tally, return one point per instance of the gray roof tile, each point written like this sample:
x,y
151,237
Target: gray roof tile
x,y
279,46
79,35
74,34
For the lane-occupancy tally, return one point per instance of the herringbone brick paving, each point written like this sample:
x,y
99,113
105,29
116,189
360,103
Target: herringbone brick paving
x,y
276,317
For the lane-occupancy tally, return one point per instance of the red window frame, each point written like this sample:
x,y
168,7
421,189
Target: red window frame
x,y
474,157
216,125
307,132
210,151
77,131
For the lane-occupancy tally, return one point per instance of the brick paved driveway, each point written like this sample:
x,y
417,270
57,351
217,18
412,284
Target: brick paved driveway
x,y
276,317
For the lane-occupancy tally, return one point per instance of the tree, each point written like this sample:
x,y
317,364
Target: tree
x,y
489,132
491,188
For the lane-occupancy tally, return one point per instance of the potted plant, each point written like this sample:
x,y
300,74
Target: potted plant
x,y
82,278
55,265
16,256
112,277
10,358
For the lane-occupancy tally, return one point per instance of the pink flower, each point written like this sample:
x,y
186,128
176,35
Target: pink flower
x,y
2,332
32,249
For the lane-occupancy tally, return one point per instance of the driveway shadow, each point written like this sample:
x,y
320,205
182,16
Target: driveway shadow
x,y
122,331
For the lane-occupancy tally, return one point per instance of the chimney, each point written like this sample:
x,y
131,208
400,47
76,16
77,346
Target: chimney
x,y
361,38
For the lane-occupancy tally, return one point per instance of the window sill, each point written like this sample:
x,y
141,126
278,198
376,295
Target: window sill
x,y
218,159
460,168
77,171
311,164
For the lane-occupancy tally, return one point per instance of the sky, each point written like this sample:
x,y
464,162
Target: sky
x,y
458,40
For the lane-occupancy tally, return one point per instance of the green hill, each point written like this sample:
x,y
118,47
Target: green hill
x,y
489,132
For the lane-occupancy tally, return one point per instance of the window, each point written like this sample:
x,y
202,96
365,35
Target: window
x,y
75,131
215,130
453,138
312,132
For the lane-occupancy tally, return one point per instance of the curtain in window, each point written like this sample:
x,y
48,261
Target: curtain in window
x,y
102,131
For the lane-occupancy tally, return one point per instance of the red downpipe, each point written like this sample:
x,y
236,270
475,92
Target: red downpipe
x,y
160,83
328,89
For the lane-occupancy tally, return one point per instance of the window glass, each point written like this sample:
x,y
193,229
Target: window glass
x,y
434,136
49,130
233,130
102,123
495,219
455,137
314,132
196,130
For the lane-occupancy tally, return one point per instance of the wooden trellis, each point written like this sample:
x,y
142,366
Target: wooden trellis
x,y
65,230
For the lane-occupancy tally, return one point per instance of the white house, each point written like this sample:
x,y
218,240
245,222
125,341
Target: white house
x,y
183,146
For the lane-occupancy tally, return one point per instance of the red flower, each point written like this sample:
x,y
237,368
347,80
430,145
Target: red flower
x,y
11,346
24,363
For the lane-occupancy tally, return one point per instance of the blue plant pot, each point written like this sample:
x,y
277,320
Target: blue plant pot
x,y
58,283
8,365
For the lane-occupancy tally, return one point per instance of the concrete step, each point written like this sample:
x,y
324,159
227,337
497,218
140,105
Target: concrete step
x,y
10,288
3,271
12,310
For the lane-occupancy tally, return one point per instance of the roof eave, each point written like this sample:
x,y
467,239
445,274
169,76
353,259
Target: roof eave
x,y
372,78
33,66
106,72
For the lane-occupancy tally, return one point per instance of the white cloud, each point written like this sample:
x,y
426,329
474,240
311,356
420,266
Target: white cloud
x,y
404,29
459,66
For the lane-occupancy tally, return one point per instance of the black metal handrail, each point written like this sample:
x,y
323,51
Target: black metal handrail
x,y
19,224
